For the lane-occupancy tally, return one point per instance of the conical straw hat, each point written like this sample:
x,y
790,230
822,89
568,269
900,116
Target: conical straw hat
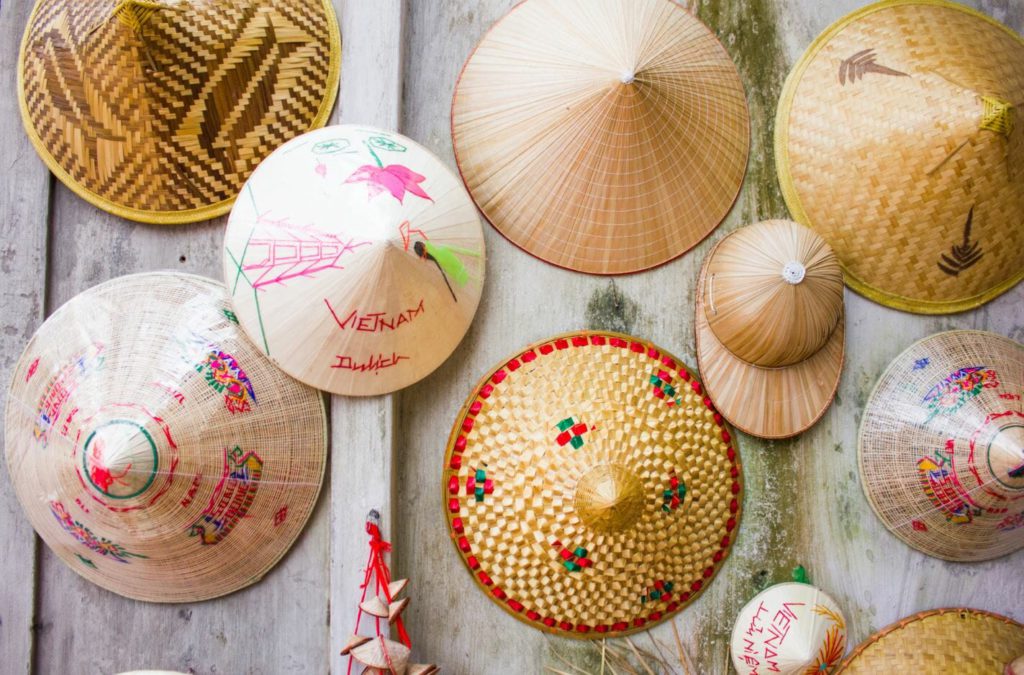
x,y
899,139
152,446
590,487
605,136
769,324
942,446
940,642
157,110
791,629
355,260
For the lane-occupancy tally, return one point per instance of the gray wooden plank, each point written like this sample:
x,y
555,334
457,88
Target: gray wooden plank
x,y
363,428
24,204
803,501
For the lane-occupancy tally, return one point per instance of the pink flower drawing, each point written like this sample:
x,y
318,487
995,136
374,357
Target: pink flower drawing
x,y
394,178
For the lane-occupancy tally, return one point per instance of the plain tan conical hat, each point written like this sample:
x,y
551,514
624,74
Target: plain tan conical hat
x,y
899,139
605,136
791,629
355,260
152,446
940,642
157,110
770,327
941,446
590,486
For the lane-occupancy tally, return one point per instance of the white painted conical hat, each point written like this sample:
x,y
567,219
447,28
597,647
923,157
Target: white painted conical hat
x,y
941,446
153,447
790,629
355,260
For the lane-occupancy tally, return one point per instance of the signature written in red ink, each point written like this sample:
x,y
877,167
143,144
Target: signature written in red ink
x,y
374,364
375,322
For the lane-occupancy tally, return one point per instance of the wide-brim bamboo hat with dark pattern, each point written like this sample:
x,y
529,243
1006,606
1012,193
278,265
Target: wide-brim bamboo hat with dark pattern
x,y
157,111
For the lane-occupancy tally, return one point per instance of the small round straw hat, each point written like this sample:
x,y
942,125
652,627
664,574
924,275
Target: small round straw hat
x,y
590,487
898,139
770,327
355,260
941,446
153,448
939,642
791,629
605,136
157,110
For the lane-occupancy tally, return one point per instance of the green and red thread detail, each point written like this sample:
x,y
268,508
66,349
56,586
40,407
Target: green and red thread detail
x,y
574,560
660,591
458,446
477,484
571,433
674,495
662,387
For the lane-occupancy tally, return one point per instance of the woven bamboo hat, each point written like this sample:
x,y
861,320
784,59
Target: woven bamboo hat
x,y
769,325
355,260
896,140
605,136
590,486
939,642
152,446
791,629
157,110
942,446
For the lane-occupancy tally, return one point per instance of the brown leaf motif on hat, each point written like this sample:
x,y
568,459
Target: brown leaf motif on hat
x,y
862,63
965,254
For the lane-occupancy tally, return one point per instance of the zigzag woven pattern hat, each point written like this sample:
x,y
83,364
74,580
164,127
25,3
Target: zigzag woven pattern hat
x,y
941,446
590,487
153,448
770,327
791,629
605,136
158,110
355,260
899,140
939,642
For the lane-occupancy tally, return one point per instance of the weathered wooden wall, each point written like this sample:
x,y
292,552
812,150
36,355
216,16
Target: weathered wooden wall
x,y
803,503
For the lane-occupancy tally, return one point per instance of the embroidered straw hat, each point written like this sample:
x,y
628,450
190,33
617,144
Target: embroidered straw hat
x,y
590,487
939,642
157,110
769,325
942,446
791,629
605,136
355,260
898,140
153,448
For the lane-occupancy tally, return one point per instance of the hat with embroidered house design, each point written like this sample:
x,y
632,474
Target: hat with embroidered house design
x,y
153,447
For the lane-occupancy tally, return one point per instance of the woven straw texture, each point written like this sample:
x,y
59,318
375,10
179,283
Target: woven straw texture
x,y
152,446
770,350
791,629
158,111
895,139
605,136
590,487
355,259
941,446
940,642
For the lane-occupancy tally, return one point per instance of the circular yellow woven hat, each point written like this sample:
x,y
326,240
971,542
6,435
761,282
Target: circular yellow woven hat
x,y
940,642
941,446
590,486
898,139
790,629
770,327
157,110
355,260
152,446
605,136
